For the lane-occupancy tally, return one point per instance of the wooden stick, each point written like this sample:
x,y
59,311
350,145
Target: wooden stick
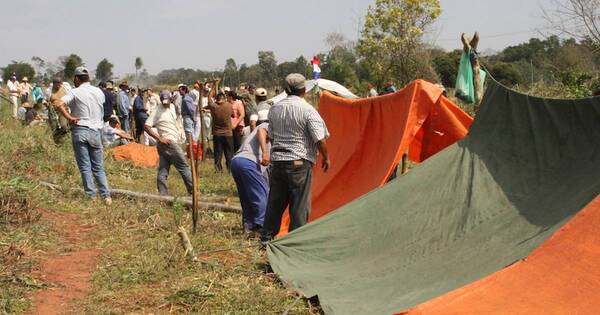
x,y
194,182
156,198
404,163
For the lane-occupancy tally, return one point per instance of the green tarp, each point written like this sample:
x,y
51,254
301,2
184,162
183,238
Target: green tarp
x,y
526,167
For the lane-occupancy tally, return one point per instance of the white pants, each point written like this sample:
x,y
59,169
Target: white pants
x,y
14,100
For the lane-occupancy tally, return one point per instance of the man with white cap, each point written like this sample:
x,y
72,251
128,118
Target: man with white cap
x,y
86,119
13,87
167,135
262,109
297,132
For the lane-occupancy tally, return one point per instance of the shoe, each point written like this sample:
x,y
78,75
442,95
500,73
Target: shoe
x,y
108,201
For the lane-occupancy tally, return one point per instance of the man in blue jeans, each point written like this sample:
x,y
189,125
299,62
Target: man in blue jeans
x,y
86,104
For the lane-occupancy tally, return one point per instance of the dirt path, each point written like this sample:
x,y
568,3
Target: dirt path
x,y
69,274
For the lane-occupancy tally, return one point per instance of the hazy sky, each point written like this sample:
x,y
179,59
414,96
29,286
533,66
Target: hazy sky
x,y
201,34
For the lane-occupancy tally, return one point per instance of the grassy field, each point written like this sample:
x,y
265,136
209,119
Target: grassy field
x,y
142,268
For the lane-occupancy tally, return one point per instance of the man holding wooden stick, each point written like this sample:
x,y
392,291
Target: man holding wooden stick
x,y
164,119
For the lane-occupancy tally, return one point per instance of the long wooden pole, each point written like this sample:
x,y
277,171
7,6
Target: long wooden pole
x,y
194,182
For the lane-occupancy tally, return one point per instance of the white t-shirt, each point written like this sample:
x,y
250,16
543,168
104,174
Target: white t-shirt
x,y
109,134
86,103
165,121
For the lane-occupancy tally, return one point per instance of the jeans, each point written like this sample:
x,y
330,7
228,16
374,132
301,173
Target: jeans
x,y
87,145
222,144
125,123
253,191
237,138
172,155
189,126
290,185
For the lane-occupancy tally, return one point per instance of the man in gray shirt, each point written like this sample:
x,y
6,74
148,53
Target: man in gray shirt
x,y
296,131
86,119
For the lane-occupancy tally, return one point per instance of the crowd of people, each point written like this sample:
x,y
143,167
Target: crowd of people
x,y
269,149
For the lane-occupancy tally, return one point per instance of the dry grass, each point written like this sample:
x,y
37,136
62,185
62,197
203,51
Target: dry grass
x,y
142,268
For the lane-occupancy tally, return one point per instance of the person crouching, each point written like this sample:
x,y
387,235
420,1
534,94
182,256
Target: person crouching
x,y
248,168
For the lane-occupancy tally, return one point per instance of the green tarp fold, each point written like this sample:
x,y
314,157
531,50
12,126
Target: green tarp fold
x,y
526,167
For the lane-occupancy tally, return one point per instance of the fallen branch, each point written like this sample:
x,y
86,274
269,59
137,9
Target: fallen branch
x,y
168,199
186,243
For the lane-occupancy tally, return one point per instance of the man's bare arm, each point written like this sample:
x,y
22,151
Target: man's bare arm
x,y
262,141
62,109
325,163
156,136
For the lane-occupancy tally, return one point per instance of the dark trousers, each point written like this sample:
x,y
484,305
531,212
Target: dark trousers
x,y
222,144
237,139
289,186
139,127
172,155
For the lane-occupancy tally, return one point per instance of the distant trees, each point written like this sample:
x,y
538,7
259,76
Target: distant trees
x,y
138,65
267,65
575,18
20,69
390,42
104,70
70,63
230,73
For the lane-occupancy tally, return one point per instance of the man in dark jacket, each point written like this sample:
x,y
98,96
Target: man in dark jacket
x,y
140,114
108,101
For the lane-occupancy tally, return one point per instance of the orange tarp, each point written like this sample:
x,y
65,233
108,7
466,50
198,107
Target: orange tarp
x,y
562,276
139,154
369,137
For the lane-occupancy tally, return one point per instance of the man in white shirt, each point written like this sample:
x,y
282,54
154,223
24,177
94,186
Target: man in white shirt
x,y
168,137
86,119
14,90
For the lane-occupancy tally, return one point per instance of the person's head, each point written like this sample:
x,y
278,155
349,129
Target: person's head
x,y
261,95
133,91
124,86
183,89
242,88
251,88
220,98
102,85
25,80
13,78
114,122
389,84
295,84
81,76
165,98
57,83
197,86
370,86
231,96
110,85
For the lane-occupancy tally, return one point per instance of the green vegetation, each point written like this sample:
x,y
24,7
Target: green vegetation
x,y
142,267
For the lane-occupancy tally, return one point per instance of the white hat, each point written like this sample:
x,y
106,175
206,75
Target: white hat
x,y
81,71
260,92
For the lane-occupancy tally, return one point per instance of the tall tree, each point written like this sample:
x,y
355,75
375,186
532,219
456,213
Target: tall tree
x,y
138,65
391,41
268,68
70,63
230,73
104,70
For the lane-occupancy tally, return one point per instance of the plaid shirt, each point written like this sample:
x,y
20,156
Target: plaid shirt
x,y
295,127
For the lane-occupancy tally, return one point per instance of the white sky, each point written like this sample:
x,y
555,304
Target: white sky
x,y
203,34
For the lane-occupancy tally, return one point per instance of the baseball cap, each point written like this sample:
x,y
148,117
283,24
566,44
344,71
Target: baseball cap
x,y
295,81
260,92
165,97
81,71
24,79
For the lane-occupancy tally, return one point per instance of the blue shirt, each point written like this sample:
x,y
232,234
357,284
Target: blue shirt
x,y
123,101
188,107
138,108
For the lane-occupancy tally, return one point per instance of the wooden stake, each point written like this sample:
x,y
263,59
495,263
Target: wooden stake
x,y
194,182
404,163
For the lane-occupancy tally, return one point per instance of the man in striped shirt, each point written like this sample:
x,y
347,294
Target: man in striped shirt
x,y
297,132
